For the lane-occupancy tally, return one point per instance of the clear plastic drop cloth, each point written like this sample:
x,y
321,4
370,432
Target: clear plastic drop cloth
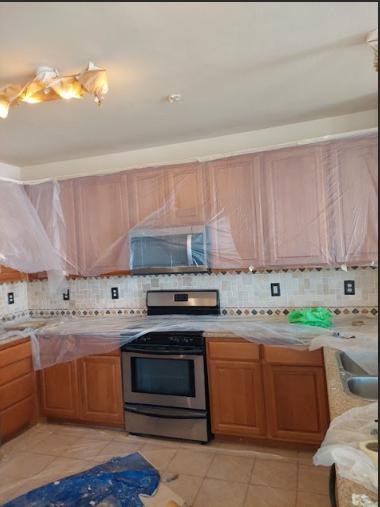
x,y
70,338
313,205
342,446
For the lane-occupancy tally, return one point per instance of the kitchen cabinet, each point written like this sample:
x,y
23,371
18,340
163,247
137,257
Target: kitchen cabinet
x,y
101,390
272,393
11,275
59,391
236,234
295,207
187,194
236,388
295,394
354,196
85,390
18,394
102,216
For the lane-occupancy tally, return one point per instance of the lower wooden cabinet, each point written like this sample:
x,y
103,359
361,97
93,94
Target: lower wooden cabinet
x,y
86,390
18,394
275,393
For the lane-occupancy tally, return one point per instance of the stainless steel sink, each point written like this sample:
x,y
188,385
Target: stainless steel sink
x,y
349,365
365,387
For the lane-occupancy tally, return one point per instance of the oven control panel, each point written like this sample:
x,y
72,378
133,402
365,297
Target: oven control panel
x,y
159,340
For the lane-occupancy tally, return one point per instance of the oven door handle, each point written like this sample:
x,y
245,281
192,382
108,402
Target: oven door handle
x,y
164,416
178,352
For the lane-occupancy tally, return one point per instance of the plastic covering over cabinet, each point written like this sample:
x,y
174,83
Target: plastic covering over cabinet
x,y
310,205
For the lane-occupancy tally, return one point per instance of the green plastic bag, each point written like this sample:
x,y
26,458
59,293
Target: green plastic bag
x,y
320,317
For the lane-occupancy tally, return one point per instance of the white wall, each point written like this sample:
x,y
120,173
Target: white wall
x,y
210,148
9,171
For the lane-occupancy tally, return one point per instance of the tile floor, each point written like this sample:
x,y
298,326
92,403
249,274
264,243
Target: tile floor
x,y
216,475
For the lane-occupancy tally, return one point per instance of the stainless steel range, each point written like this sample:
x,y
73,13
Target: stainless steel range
x,y
164,373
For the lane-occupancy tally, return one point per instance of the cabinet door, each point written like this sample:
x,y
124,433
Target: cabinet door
x,y
102,223
101,390
296,403
59,391
147,198
355,200
11,275
236,398
236,231
294,212
187,194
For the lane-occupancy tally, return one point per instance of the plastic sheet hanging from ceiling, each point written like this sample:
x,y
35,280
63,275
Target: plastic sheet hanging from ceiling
x,y
313,205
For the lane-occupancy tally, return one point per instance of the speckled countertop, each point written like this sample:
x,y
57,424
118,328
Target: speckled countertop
x,y
340,402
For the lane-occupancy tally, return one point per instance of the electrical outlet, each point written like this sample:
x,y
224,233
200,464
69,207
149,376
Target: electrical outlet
x,y
11,298
349,287
115,292
275,289
66,295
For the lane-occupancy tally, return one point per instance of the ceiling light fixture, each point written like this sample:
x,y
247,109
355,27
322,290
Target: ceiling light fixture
x,y
174,97
372,40
49,85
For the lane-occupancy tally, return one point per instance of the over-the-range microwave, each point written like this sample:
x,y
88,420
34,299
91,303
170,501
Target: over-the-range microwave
x,y
169,250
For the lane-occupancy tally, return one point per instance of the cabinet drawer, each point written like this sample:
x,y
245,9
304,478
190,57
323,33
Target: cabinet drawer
x,y
233,350
16,391
15,353
15,370
285,355
17,417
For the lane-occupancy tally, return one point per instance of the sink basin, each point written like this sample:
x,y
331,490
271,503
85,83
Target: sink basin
x,y
364,387
349,365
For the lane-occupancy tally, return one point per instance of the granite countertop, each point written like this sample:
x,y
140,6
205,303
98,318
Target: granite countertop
x,y
340,402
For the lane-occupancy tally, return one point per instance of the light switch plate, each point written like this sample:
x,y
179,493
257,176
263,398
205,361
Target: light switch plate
x,y
115,292
275,289
11,298
66,295
349,287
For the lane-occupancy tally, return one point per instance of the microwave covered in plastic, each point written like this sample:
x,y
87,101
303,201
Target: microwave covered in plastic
x,y
170,250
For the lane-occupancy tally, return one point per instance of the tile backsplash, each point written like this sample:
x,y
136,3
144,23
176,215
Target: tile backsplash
x,y
20,295
241,293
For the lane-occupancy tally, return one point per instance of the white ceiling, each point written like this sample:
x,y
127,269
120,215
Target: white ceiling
x,y
239,65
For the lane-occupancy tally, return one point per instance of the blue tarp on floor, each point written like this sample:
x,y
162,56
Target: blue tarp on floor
x,y
116,483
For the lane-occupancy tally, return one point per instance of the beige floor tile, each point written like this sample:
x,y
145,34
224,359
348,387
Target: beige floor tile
x,y
275,474
83,431
160,458
22,465
313,479
61,468
85,448
55,444
114,449
312,500
231,468
306,457
15,488
186,486
216,493
24,442
191,462
263,496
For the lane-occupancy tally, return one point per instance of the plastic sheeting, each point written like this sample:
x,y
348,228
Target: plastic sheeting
x,y
117,483
310,205
341,446
70,338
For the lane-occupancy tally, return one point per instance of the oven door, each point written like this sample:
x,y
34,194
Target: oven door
x,y
166,380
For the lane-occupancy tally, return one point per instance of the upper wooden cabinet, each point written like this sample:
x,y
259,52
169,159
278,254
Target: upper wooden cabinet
x,y
354,198
295,207
168,197
11,275
236,230
147,198
102,215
